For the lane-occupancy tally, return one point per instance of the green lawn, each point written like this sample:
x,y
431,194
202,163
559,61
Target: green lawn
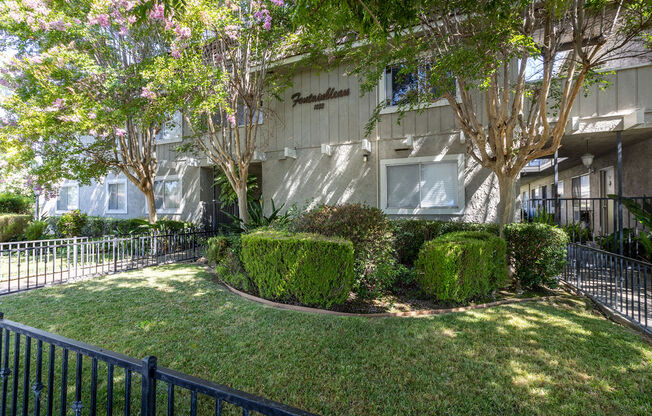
x,y
532,358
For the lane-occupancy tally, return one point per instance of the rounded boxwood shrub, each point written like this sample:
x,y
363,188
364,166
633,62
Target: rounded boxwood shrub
x,y
412,233
313,269
13,226
371,233
461,266
537,252
71,223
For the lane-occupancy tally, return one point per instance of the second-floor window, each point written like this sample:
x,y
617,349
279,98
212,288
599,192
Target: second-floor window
x,y
68,197
400,87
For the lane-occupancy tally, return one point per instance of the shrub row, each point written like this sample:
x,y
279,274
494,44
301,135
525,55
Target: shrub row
x,y
78,224
462,265
15,204
12,226
309,268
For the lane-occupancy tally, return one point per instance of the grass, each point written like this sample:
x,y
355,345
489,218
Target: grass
x,y
540,358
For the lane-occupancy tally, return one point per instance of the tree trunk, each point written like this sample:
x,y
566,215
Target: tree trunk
x,y
506,204
243,212
151,205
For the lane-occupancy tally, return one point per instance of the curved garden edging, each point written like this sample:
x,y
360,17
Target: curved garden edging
x,y
411,314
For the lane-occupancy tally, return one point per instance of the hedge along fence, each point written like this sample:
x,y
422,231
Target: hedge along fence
x,y
12,226
461,266
313,269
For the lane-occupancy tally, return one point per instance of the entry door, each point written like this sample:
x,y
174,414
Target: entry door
x,y
607,187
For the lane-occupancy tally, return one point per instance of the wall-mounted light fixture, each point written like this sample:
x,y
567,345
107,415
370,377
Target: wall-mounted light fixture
x,y
260,156
290,152
366,146
587,158
326,149
365,158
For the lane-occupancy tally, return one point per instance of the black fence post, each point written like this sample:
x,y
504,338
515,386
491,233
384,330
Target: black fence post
x,y
148,400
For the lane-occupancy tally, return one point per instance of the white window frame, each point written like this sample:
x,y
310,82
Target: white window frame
x,y
108,182
56,201
382,95
461,203
175,139
174,211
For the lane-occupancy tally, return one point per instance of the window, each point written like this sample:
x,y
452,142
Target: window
x,y
117,196
398,87
560,189
243,114
167,195
68,198
424,185
172,130
534,66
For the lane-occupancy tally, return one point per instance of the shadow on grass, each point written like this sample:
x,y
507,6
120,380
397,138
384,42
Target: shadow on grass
x,y
537,358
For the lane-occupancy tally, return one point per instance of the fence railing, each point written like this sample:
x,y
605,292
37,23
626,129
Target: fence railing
x,y
622,283
31,264
39,371
591,220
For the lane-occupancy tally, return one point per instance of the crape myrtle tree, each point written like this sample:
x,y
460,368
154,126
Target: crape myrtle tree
x,y
218,74
79,104
510,70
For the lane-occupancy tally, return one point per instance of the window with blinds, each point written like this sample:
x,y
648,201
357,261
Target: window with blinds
x,y
422,185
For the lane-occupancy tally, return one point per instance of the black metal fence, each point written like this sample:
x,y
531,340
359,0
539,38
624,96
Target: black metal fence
x,y
622,283
30,264
593,221
46,374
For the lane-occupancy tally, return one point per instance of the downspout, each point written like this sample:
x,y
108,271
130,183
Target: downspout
x,y
378,155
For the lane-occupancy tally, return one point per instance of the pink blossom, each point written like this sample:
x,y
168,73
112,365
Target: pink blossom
x,y
278,2
5,83
123,30
92,132
59,25
169,24
120,132
175,52
231,119
92,116
158,13
231,31
77,21
131,19
59,103
16,17
182,32
103,20
43,25
147,93
38,59
268,23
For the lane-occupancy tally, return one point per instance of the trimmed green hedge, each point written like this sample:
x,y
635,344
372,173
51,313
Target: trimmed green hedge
x,y
537,252
412,233
461,266
12,226
313,269
15,204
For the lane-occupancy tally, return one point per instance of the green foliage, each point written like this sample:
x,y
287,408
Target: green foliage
x,y
578,232
309,268
411,234
643,214
35,230
369,230
227,193
11,203
461,266
71,223
12,226
224,252
537,252
258,219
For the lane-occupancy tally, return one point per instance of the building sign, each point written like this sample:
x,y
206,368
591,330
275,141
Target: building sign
x,y
330,94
